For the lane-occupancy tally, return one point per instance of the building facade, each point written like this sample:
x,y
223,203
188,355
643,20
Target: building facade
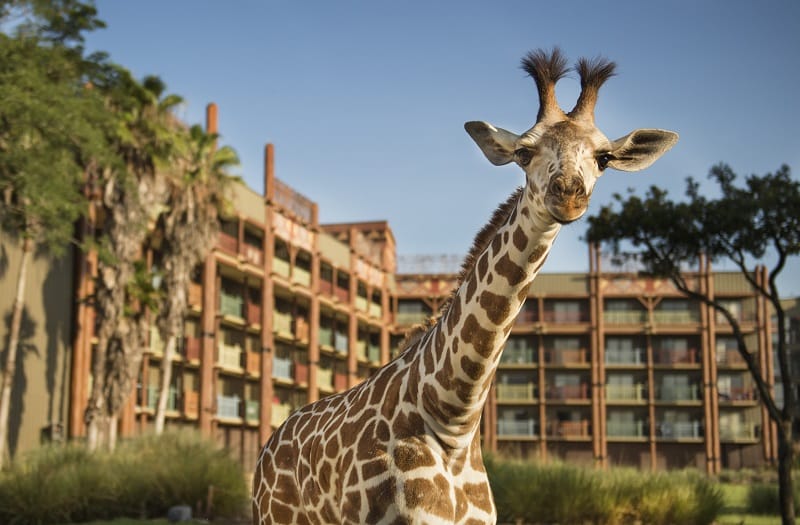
x,y
602,368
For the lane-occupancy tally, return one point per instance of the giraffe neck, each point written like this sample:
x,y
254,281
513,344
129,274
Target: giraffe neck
x,y
459,355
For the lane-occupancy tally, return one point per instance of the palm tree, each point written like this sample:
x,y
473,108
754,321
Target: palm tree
x,y
198,194
133,193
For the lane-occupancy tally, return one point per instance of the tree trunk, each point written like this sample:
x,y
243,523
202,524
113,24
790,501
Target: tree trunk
x,y
10,368
785,484
166,379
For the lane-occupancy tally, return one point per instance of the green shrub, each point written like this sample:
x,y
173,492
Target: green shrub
x,y
763,498
560,493
142,479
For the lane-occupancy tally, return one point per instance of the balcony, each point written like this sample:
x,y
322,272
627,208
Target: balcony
x,y
152,398
625,317
629,393
373,353
361,303
625,357
568,429
280,267
518,356
230,304
191,348
342,294
679,430
340,342
375,310
678,393
730,357
736,431
568,392
676,317
566,357
625,429
339,381
191,404
253,314
156,343
553,316
253,255
516,427
668,356
515,392
228,407
230,356
253,363
410,318
195,295
361,349
227,242
300,373
282,324
737,393
280,412
301,276
282,368
325,379
251,411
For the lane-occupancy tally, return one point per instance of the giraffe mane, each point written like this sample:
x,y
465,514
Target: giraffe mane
x,y
481,242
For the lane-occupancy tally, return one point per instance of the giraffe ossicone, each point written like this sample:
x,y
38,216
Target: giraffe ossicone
x,y
404,445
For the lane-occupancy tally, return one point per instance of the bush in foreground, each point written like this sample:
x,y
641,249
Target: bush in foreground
x,y
561,493
142,478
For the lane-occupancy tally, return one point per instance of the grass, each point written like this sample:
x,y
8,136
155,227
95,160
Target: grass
x,y
735,510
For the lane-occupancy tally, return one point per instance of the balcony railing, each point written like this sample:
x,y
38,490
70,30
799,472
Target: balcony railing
x,y
325,378
557,356
340,342
191,403
633,356
516,392
740,431
251,410
568,392
550,316
568,428
229,243
361,303
342,294
152,397
253,254
678,393
280,267
230,304
373,353
409,318
676,317
667,356
282,368
280,411
518,356
253,313
680,429
230,356
737,393
375,310
625,392
516,427
195,294
253,363
228,406
633,429
625,317
282,323
729,357
301,276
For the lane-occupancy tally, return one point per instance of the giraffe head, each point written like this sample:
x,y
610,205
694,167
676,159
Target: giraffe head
x,y
564,154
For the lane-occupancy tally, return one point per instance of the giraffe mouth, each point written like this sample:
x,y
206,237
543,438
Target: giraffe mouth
x,y
566,212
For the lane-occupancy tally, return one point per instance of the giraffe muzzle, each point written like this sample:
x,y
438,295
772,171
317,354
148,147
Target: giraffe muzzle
x,y
566,198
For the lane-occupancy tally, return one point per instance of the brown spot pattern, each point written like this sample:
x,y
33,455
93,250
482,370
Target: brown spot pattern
x,y
496,306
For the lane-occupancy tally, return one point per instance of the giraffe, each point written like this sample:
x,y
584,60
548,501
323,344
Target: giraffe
x,y
404,445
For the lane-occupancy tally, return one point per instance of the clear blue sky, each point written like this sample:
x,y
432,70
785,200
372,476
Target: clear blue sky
x,y
365,100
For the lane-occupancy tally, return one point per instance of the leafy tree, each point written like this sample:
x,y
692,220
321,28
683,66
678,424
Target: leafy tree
x,y
51,131
133,191
189,225
744,225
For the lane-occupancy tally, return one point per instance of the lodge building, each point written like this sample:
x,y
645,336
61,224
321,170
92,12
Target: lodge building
x,y
601,368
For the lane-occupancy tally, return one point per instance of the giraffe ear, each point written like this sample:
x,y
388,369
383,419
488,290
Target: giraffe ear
x,y
640,148
496,143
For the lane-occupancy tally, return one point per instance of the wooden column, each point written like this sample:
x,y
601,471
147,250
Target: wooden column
x,y
266,390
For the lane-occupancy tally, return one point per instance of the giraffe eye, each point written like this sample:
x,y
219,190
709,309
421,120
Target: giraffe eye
x,y
524,156
602,160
